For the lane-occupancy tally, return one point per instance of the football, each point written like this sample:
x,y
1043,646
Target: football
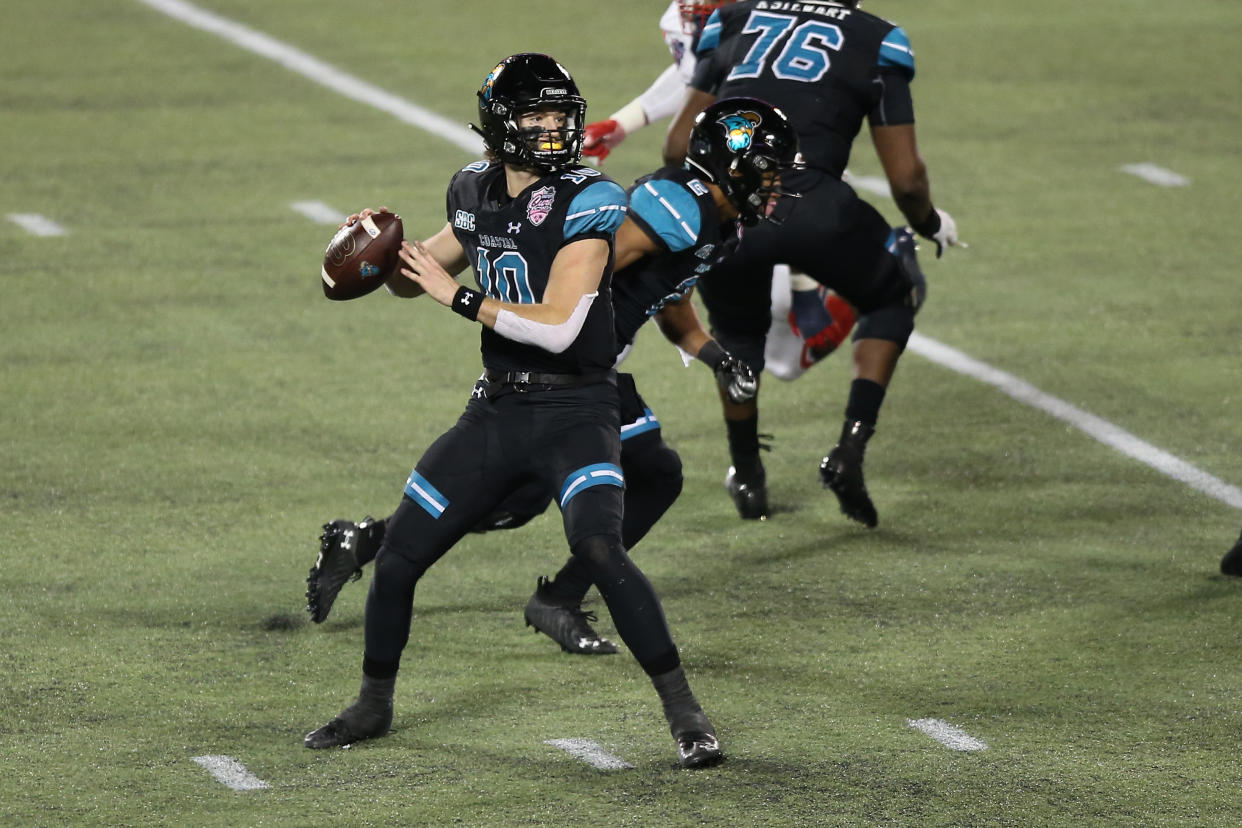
x,y
362,256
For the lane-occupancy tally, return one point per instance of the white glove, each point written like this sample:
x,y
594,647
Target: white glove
x,y
946,236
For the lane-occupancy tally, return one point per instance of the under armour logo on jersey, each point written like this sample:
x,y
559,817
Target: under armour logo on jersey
x,y
515,227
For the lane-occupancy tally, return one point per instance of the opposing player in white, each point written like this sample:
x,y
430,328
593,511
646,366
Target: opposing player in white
x,y
808,321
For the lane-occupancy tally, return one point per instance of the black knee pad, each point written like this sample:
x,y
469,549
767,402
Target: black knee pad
x,y
647,458
894,323
606,559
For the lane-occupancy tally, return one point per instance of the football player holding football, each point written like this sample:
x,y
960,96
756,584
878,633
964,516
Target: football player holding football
x,y
681,221
830,67
538,231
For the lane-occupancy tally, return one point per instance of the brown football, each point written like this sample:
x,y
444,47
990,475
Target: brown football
x,y
361,257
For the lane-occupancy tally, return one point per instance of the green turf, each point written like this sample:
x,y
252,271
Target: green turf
x,y
183,409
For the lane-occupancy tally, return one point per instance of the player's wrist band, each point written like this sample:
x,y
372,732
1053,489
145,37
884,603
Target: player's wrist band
x,y
467,302
712,353
929,226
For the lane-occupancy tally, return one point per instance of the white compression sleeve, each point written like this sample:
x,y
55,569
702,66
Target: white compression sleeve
x,y
663,98
552,338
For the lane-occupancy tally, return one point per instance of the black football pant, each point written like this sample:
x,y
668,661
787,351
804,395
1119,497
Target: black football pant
x,y
568,441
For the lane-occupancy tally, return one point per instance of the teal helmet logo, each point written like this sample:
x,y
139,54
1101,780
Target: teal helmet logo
x,y
486,92
740,129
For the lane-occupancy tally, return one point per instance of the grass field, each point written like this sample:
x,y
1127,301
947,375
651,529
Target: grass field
x,y
183,409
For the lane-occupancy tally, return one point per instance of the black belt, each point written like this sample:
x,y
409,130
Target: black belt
x,y
524,379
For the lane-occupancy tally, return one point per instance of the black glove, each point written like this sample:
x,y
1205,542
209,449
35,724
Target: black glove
x,y
736,379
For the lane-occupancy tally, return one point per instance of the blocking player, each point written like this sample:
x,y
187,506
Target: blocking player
x,y
808,322
538,231
674,232
830,67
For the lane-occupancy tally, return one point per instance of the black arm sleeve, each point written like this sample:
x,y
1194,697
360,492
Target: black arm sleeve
x,y
895,105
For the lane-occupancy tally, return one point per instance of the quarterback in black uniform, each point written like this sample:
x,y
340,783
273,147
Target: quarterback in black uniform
x,y
680,223
830,67
538,231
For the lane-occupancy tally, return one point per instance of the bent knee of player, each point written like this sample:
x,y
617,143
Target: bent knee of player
x,y
893,323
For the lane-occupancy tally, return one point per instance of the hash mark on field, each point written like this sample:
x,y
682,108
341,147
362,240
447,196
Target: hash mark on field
x,y
951,736
318,212
231,773
37,225
1156,175
590,752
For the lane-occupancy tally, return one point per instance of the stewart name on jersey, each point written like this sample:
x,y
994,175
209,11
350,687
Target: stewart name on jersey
x,y
825,65
511,243
677,211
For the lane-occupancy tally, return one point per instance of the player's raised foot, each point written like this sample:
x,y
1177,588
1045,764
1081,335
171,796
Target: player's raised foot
x,y
362,720
1231,564
749,491
336,565
567,625
841,472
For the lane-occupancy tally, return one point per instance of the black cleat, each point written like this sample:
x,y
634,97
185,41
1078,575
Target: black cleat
x,y
698,749
336,565
1231,564
566,625
750,494
841,471
358,722
697,746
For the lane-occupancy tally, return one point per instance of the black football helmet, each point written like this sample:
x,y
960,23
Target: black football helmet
x,y
521,84
742,145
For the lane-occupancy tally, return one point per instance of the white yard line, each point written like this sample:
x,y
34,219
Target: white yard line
x,y
37,225
312,68
1156,175
318,212
424,119
870,183
590,752
1102,430
951,736
231,773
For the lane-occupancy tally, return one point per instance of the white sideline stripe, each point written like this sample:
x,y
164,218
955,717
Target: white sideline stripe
x,y
870,183
424,119
320,72
318,212
952,737
1101,429
590,752
37,225
231,773
1156,175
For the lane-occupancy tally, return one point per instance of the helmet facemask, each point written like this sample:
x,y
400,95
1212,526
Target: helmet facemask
x,y
694,15
518,87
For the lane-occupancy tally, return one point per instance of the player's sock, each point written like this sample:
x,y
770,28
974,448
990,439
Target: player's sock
x,y
744,445
866,397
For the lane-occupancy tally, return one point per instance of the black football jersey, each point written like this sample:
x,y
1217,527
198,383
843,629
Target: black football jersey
x,y
676,210
511,243
823,63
